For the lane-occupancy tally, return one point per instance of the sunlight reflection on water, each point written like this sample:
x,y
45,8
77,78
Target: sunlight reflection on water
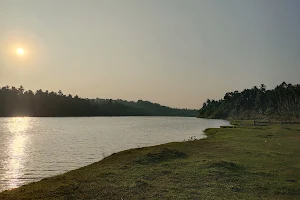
x,y
14,163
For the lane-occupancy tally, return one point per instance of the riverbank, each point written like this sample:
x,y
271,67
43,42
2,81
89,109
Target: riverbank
x,y
245,162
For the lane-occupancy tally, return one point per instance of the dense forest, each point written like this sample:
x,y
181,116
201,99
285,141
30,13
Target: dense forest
x,y
18,102
153,109
283,102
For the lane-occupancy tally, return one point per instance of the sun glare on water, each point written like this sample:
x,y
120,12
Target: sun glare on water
x,y
20,51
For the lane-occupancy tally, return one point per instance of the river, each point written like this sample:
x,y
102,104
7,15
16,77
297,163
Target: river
x,y
35,148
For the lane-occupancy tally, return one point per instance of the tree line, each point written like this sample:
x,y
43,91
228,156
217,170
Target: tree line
x,y
154,109
283,102
19,102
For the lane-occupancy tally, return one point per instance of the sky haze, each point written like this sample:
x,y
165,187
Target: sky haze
x,y
176,53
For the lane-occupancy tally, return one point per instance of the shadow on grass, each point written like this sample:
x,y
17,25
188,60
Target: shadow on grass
x,y
161,155
227,166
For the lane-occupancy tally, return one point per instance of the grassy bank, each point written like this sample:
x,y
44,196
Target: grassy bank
x,y
245,162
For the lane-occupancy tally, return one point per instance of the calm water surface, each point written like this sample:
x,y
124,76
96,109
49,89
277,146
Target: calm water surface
x,y
35,148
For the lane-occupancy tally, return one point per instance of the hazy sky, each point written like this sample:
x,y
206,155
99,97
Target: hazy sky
x,y
177,53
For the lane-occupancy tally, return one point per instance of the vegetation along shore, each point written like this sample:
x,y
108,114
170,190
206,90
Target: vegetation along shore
x,y
244,162
280,103
19,102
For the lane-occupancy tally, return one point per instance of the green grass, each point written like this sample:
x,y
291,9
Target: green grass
x,y
245,162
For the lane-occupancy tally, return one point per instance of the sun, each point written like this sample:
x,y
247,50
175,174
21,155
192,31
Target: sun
x,y
20,51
